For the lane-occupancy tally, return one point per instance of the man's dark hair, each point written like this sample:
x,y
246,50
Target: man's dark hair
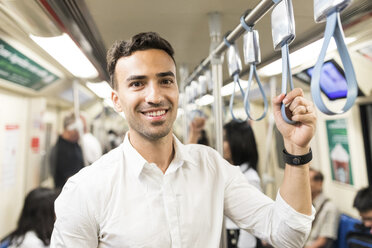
x,y
139,42
318,175
242,143
363,199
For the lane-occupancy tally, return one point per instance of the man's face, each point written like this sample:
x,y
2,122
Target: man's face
x,y
147,92
367,219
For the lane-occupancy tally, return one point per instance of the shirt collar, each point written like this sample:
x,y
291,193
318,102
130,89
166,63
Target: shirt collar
x,y
136,162
182,152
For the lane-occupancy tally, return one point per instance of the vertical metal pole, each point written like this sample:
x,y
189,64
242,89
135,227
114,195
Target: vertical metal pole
x,y
267,177
184,71
217,107
216,62
75,88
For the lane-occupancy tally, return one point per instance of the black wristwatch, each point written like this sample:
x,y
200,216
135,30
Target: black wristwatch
x,y
297,159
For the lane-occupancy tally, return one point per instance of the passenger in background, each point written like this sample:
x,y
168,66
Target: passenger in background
x,y
35,225
67,156
197,133
239,148
91,146
325,225
114,140
363,202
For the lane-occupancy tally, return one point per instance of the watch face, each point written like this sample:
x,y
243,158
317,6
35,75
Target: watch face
x,y
296,161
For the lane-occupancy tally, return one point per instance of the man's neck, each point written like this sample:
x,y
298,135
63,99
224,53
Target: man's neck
x,y
160,151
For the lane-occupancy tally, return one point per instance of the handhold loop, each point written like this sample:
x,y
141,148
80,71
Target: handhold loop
x,y
334,29
286,76
252,72
252,56
235,66
231,104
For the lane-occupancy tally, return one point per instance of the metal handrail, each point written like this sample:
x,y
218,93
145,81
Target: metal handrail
x,y
251,19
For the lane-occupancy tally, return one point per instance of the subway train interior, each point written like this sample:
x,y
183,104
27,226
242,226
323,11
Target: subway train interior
x,y
231,62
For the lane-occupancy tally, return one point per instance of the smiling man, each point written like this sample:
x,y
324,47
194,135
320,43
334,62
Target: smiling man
x,y
153,191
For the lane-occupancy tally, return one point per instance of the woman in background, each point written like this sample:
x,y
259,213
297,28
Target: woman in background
x,y
239,148
35,225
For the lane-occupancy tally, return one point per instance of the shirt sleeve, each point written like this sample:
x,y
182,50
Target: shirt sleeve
x,y
273,221
75,224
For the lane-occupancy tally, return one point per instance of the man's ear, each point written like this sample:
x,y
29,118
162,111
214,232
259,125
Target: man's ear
x,y
116,101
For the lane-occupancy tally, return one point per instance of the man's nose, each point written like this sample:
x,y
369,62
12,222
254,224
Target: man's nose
x,y
154,93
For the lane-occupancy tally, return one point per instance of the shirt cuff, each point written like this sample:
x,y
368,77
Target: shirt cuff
x,y
294,219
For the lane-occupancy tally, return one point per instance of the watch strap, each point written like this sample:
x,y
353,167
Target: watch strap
x,y
297,159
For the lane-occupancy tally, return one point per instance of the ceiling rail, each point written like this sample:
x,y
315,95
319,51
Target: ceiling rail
x,y
251,19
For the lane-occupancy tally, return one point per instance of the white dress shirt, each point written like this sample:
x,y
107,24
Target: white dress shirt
x,y
121,200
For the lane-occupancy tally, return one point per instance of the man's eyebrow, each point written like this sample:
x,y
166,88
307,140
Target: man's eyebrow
x,y
165,74
135,77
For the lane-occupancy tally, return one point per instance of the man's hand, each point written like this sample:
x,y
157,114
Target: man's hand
x,y
296,137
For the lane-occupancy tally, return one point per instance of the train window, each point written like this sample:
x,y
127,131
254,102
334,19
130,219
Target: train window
x,y
332,80
366,120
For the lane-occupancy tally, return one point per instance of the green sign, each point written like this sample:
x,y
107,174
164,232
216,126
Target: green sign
x,y
339,151
17,68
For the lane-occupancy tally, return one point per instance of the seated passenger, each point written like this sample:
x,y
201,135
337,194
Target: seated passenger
x,y
325,225
35,225
363,202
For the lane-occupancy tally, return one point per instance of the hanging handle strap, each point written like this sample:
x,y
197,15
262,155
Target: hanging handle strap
x,y
283,32
252,72
231,104
286,76
235,66
334,29
252,56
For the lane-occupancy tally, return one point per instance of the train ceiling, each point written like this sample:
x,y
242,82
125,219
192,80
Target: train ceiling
x,y
95,24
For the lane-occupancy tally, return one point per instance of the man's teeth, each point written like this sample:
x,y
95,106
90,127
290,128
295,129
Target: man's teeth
x,y
155,113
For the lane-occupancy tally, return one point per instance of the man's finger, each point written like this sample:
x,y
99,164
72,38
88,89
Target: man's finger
x,y
292,95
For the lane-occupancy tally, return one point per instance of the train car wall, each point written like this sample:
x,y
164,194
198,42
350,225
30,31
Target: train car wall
x,y
342,194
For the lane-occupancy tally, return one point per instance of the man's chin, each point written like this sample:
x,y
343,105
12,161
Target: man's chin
x,y
156,134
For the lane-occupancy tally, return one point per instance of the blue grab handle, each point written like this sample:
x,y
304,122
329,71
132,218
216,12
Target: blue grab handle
x,y
334,28
236,82
286,75
252,72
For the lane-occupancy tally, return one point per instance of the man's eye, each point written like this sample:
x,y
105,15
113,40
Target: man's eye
x,y
136,84
167,81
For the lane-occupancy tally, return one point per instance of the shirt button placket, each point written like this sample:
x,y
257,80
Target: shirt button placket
x,y
171,208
